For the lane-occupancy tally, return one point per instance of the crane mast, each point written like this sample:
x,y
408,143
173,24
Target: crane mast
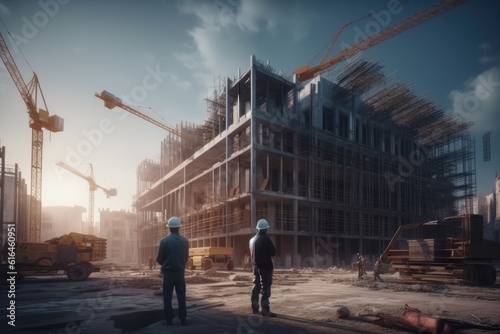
x,y
93,186
38,119
111,101
305,72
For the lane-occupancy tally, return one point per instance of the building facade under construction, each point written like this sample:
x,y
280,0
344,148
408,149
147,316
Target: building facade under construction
x,y
335,165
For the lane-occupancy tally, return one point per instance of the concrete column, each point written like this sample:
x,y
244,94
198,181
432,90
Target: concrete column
x,y
295,258
253,151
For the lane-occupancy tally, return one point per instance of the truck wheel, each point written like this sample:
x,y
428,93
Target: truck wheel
x,y
487,274
470,274
90,268
206,264
44,262
492,275
78,272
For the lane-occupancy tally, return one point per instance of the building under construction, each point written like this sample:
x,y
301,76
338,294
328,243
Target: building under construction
x,y
335,165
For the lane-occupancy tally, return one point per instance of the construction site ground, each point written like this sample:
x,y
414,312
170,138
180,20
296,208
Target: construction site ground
x,y
128,299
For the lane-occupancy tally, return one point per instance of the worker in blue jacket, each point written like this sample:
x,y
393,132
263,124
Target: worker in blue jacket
x,y
173,254
261,251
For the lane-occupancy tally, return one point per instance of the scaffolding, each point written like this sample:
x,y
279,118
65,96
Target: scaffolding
x,y
349,160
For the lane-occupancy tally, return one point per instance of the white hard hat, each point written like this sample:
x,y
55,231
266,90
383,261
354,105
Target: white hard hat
x,y
262,224
174,222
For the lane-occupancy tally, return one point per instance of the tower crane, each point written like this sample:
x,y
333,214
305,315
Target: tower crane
x,y
93,186
111,101
39,119
305,72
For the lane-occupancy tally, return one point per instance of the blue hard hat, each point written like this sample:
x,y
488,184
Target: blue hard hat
x,y
174,222
262,224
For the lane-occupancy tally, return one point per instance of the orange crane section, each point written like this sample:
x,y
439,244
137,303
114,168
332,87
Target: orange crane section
x,y
93,186
305,72
38,120
111,101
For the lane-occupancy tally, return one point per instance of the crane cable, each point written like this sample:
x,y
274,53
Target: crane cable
x,y
332,41
17,47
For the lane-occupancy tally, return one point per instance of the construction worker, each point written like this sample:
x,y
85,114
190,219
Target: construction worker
x,y
261,252
248,263
359,263
376,269
363,265
173,254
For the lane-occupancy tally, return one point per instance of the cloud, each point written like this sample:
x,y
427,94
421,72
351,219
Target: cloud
x,y
252,16
180,83
228,31
484,46
479,100
4,10
489,59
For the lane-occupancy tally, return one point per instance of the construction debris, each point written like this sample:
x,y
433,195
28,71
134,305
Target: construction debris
x,y
415,321
342,312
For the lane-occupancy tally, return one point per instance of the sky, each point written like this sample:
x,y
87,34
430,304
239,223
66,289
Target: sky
x,y
166,57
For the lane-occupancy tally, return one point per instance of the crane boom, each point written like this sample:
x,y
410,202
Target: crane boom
x,y
11,66
305,72
111,101
38,119
93,186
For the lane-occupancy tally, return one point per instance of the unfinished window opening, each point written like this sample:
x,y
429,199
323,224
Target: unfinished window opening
x,y
307,116
340,222
328,120
376,139
343,126
387,142
288,142
357,130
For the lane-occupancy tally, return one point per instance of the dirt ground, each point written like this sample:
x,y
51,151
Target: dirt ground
x,y
128,299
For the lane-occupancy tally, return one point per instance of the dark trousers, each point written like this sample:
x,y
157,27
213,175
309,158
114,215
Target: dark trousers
x,y
262,281
171,280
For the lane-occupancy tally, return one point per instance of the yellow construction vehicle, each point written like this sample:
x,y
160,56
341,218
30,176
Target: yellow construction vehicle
x,y
208,257
71,253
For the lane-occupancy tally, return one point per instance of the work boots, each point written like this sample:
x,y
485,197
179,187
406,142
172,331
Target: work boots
x,y
268,313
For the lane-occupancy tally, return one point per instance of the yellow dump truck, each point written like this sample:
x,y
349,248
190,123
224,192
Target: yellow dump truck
x,y
208,257
72,253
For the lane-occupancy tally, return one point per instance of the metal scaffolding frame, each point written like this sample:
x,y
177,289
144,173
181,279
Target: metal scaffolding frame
x,y
396,158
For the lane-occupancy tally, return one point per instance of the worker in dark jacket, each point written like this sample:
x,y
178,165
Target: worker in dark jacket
x,y
173,254
261,252
377,268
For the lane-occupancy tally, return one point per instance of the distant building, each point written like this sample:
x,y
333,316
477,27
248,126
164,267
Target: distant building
x,y
14,201
497,191
120,230
488,206
497,219
484,205
59,220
